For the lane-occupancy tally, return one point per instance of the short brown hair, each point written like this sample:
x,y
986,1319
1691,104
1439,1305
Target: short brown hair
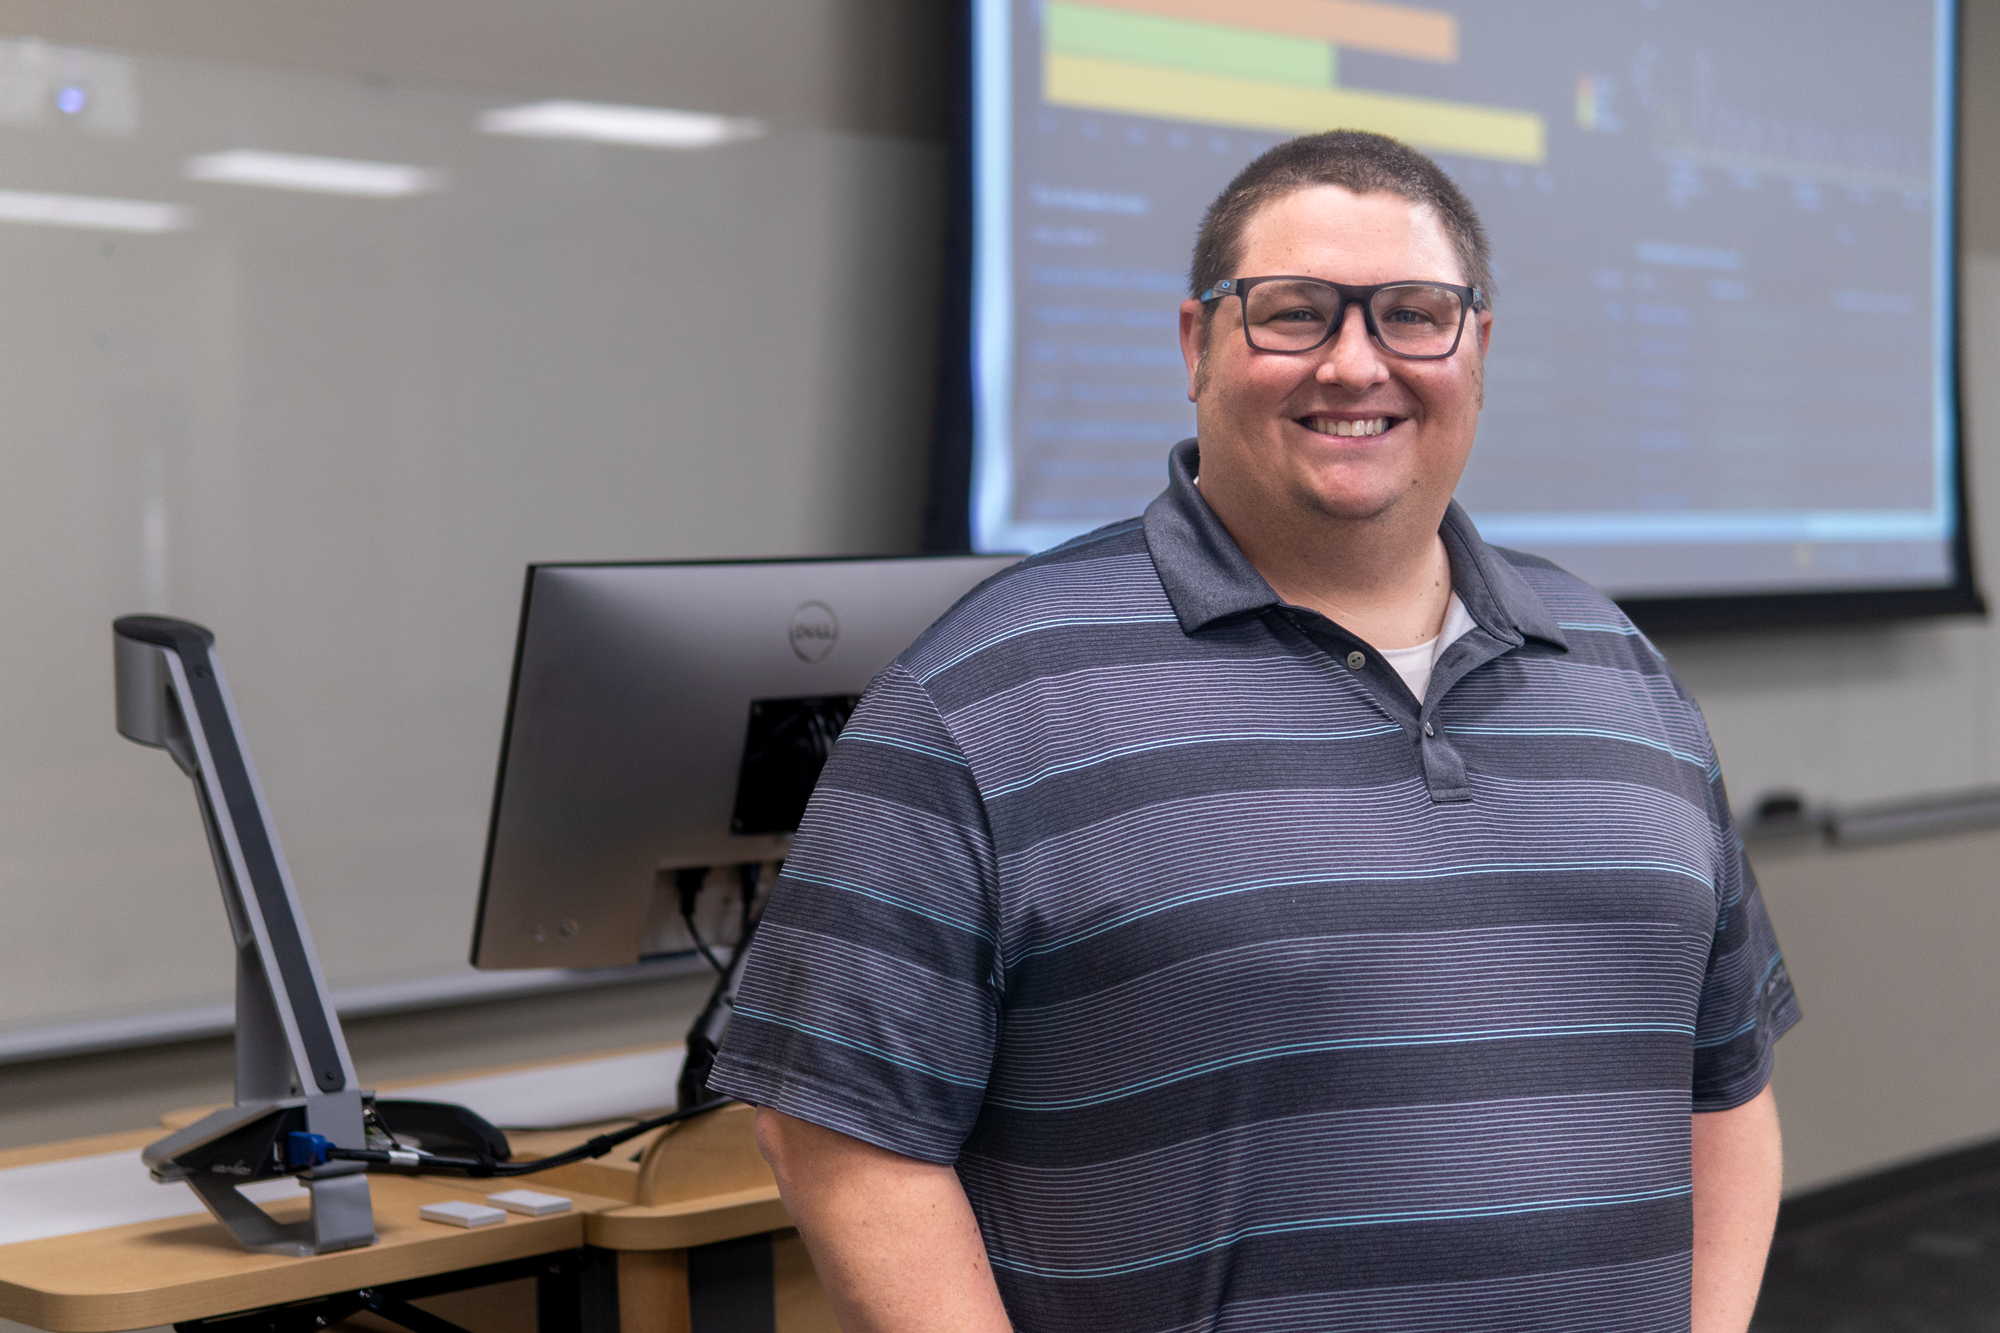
x,y
1354,160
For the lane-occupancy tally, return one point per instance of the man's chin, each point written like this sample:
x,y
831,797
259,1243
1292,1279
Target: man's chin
x,y
1348,498
1341,505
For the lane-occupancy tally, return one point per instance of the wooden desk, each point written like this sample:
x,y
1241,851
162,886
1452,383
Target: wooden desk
x,y
685,1228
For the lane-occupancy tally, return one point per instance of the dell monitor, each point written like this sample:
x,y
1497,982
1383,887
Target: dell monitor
x,y
671,717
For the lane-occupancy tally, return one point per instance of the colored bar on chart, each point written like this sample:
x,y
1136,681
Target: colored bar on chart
x,y
1423,122
1093,31
1396,30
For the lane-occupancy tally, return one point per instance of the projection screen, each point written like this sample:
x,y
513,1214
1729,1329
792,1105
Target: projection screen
x,y
1723,379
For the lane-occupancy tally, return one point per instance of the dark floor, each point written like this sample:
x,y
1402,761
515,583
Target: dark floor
x,y
1916,1250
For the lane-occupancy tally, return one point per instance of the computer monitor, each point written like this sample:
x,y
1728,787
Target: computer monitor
x,y
666,716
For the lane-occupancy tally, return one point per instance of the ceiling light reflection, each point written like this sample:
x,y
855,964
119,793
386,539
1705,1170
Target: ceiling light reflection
x,y
92,211
321,175
603,122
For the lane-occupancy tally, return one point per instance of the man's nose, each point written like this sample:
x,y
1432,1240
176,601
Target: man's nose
x,y
1352,358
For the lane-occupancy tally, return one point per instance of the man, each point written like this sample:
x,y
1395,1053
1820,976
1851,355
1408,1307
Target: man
x,y
1283,911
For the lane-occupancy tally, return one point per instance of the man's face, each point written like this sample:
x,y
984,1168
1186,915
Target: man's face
x,y
1270,423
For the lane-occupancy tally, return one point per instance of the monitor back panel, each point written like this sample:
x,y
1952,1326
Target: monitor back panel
x,y
637,689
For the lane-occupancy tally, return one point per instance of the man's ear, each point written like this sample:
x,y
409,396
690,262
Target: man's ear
x,y
1194,346
1485,327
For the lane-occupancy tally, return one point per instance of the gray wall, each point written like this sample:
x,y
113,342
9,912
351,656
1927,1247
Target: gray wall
x,y
1890,947
1892,950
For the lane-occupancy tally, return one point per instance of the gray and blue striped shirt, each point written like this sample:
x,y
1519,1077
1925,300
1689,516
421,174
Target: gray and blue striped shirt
x,y
1246,990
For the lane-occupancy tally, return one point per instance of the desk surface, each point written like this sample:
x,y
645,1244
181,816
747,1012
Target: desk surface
x,y
700,1182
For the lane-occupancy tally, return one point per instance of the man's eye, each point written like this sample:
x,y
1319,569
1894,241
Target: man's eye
x,y
1298,315
1406,315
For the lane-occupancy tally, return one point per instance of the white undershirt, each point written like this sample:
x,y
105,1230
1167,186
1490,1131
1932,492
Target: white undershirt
x,y
1414,664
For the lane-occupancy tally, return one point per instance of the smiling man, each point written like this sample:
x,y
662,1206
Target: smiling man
x,y
1283,910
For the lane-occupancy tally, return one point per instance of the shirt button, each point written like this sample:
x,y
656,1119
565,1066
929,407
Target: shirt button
x,y
1355,661
1428,731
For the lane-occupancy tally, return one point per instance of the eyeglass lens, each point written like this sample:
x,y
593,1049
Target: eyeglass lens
x,y
1415,318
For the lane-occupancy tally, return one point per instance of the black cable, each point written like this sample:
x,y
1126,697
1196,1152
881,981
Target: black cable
x,y
747,876
688,883
702,945
486,1166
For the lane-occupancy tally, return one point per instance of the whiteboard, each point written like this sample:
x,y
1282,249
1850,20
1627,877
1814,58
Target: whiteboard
x,y
335,429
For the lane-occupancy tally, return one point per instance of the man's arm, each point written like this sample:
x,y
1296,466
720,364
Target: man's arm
x,y
892,1238
1737,1176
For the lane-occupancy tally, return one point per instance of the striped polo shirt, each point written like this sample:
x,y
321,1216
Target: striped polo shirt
x,y
1248,991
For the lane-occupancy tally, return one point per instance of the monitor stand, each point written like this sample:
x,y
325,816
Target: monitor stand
x,y
172,694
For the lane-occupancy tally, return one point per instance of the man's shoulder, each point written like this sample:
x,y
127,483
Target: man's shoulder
x,y
1568,597
1596,628
1607,662
1102,578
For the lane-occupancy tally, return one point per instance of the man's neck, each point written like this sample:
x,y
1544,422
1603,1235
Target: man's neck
x,y
1385,583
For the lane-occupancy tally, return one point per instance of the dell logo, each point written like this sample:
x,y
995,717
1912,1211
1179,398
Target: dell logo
x,y
814,631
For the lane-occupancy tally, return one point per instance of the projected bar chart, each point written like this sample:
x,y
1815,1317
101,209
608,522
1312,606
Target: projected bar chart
x,y
1721,262
1197,60
1397,30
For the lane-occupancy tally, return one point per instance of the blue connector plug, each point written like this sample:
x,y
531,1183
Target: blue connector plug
x,y
303,1150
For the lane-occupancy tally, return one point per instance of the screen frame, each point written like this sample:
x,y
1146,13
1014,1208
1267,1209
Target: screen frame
x,y
948,525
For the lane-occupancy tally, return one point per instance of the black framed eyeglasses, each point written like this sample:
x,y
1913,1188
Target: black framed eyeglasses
x,y
1284,313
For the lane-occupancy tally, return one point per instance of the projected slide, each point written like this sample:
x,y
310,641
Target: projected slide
x,y
1722,357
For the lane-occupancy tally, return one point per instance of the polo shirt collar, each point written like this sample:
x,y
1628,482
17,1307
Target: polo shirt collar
x,y
1208,578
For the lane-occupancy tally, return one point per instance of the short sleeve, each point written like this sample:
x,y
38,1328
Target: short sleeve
x,y
870,999
1746,998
